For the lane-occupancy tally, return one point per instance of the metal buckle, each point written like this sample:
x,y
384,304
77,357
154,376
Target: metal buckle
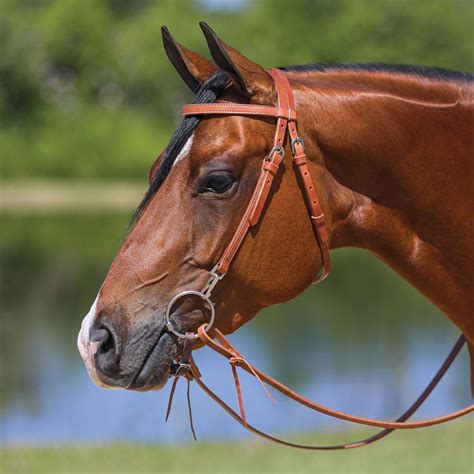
x,y
294,142
178,369
276,149
212,282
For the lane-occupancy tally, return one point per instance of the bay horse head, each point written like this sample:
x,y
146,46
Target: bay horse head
x,y
199,189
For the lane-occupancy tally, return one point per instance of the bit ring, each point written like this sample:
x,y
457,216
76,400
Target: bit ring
x,y
201,295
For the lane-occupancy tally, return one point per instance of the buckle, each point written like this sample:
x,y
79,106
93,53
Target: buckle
x,y
294,142
214,278
276,149
178,369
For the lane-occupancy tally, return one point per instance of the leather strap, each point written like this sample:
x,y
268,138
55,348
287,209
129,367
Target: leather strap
x,y
253,210
188,346
356,444
230,108
285,113
286,120
301,165
184,369
225,348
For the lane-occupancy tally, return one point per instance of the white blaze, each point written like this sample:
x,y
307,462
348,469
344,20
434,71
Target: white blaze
x,y
185,150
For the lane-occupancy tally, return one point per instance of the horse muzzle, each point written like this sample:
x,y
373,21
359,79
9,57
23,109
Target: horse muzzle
x,y
139,360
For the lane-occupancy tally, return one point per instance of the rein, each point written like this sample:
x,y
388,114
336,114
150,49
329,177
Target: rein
x,y
286,124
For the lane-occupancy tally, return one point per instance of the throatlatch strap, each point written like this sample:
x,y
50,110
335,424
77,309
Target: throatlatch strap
x,y
300,162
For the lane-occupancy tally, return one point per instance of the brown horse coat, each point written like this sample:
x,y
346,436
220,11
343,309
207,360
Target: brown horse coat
x,y
391,152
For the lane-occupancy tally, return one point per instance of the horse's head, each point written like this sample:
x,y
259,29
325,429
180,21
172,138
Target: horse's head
x,y
199,189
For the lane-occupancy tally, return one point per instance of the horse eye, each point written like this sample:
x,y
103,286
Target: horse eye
x,y
217,183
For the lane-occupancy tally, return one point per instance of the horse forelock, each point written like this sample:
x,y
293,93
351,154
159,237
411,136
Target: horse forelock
x,y
180,140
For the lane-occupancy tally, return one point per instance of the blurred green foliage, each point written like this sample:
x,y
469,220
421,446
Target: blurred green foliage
x,y
86,90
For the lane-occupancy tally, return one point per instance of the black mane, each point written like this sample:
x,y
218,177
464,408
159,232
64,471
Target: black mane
x,y
423,71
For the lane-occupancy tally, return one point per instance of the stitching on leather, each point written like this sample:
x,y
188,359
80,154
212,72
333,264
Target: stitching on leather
x,y
244,223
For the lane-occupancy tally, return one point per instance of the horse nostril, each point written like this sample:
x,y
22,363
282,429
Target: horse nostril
x,y
100,335
107,356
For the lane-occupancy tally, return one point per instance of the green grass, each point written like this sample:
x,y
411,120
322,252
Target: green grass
x,y
444,449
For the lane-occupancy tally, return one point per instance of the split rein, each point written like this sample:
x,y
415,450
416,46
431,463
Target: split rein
x,y
286,124
215,340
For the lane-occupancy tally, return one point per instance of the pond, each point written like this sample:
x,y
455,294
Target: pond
x,y
364,341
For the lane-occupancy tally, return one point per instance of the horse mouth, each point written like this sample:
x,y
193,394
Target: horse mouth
x,y
156,367
159,363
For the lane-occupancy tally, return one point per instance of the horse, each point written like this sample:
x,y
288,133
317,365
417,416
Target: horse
x,y
389,149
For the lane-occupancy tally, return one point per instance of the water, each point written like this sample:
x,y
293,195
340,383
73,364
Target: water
x,y
363,342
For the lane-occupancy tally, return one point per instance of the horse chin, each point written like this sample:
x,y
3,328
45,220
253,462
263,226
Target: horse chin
x,y
156,368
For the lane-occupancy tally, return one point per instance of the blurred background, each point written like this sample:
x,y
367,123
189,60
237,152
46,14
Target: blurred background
x,y
87,100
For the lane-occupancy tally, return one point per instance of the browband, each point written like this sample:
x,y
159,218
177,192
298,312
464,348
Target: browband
x,y
229,108
286,117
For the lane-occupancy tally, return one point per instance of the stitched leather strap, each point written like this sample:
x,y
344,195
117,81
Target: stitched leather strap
x,y
286,117
301,165
364,442
229,108
225,348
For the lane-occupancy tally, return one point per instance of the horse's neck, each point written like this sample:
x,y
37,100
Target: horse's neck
x,y
397,164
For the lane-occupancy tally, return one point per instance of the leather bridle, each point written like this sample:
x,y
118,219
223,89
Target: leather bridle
x,y
286,125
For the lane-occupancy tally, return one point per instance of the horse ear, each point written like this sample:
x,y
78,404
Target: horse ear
x,y
192,67
251,79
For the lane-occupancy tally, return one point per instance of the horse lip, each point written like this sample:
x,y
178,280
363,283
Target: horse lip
x,y
146,371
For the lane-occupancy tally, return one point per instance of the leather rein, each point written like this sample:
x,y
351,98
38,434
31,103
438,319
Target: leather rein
x,y
286,123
